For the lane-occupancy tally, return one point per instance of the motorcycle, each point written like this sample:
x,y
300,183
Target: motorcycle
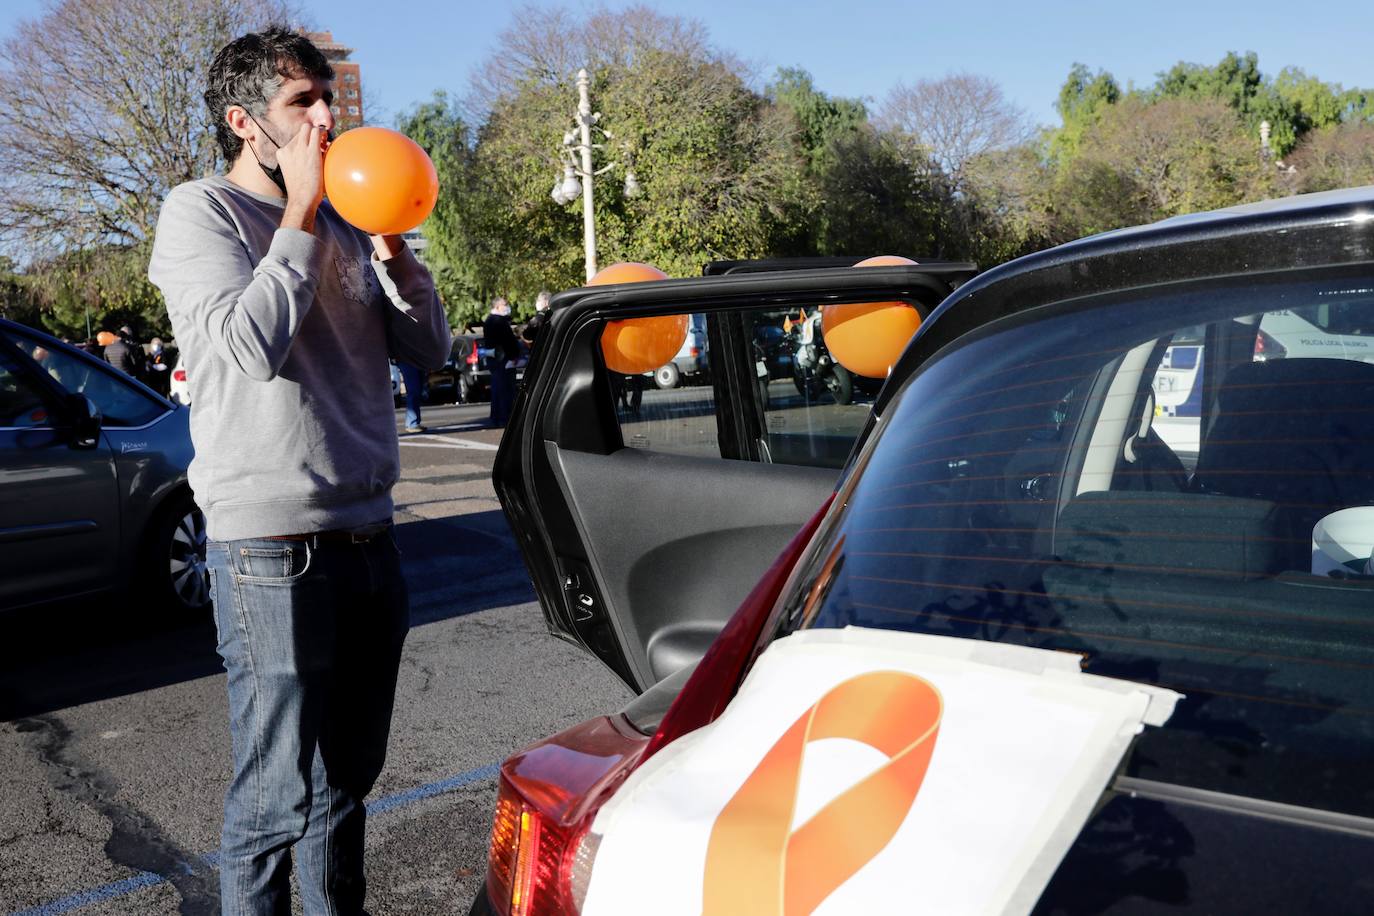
x,y
814,370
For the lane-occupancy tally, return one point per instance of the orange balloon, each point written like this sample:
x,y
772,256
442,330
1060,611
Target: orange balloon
x,y
868,337
635,345
379,180
105,338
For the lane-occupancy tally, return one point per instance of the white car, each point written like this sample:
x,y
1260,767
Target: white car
x,y
179,391
1328,329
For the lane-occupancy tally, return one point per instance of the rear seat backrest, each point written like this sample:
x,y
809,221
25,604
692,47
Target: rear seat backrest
x,y
1297,432
1173,533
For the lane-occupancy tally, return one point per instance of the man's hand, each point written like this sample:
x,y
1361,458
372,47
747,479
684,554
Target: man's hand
x,y
387,246
302,168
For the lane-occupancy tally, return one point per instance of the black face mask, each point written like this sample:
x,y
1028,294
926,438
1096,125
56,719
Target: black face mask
x,y
274,172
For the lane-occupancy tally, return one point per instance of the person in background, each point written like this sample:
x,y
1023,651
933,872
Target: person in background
x,y
414,379
156,370
124,353
497,334
530,332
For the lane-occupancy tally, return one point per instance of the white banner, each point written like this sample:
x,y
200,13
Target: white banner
x,y
864,771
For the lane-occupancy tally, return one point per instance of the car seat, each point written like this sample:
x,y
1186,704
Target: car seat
x,y
1297,432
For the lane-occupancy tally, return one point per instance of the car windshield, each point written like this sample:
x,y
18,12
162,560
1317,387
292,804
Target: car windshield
x,y
1174,485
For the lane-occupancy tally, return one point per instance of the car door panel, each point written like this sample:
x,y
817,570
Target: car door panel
x,y
59,529
641,556
679,541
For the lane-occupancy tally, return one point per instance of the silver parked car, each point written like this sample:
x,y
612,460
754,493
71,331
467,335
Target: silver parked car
x,y
93,492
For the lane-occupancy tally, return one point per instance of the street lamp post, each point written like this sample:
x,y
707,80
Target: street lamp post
x,y
577,164
584,122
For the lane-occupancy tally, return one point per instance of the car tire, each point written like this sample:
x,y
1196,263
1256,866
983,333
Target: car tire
x,y
481,904
841,385
667,376
173,560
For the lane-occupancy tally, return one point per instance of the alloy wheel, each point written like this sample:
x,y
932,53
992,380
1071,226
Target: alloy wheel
x,y
190,580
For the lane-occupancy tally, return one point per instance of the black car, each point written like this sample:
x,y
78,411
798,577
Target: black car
x,y
93,492
1042,471
466,375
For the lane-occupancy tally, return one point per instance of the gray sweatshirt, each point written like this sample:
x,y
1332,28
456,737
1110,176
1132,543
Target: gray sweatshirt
x,y
285,336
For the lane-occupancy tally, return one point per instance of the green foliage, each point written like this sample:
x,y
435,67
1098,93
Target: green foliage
x,y
1146,161
1336,156
1082,99
854,193
822,120
451,247
714,160
108,286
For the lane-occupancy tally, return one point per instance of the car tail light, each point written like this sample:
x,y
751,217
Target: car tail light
x,y
541,851
472,357
179,375
696,351
542,847
1267,348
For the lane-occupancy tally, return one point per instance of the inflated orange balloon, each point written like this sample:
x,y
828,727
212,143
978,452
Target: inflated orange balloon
x,y
867,337
379,180
635,345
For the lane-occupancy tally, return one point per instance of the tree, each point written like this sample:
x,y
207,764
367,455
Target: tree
x,y
1146,161
1082,99
952,121
712,156
1337,156
95,172
84,181
451,244
870,201
854,193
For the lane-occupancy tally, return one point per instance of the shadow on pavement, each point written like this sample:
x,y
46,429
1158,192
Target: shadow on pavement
x,y
75,652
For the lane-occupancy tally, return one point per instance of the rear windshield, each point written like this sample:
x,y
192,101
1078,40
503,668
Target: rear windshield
x,y
1145,482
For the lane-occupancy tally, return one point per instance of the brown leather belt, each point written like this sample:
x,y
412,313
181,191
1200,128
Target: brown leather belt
x,y
354,536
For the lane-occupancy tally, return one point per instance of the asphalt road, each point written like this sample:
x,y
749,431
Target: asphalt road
x,y
114,744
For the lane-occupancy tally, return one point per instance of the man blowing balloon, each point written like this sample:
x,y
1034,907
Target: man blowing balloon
x,y
286,316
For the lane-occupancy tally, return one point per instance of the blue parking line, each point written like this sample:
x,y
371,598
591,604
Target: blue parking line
x,y
149,879
86,898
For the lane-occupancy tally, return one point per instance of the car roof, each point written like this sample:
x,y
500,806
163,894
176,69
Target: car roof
x,y
1301,231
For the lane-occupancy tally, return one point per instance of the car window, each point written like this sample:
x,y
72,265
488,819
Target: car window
x,y
1136,481
121,404
814,408
671,407
809,409
22,404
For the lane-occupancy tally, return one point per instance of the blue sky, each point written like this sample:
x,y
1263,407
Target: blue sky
x,y
862,47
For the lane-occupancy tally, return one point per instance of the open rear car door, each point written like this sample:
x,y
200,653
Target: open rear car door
x,y
645,515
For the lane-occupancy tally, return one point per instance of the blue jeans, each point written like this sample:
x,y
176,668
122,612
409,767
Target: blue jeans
x,y
311,637
415,389
502,394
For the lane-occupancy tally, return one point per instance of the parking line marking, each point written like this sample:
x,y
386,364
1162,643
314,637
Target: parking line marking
x,y
149,879
450,442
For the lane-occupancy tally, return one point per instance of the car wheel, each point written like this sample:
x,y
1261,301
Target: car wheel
x,y
174,559
667,376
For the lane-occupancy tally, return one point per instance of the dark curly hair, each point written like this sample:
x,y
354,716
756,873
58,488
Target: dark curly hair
x,y
249,71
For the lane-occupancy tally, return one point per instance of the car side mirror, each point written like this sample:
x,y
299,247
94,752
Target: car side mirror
x,y
85,421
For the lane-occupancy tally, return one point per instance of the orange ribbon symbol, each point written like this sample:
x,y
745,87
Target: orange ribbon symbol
x,y
756,864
